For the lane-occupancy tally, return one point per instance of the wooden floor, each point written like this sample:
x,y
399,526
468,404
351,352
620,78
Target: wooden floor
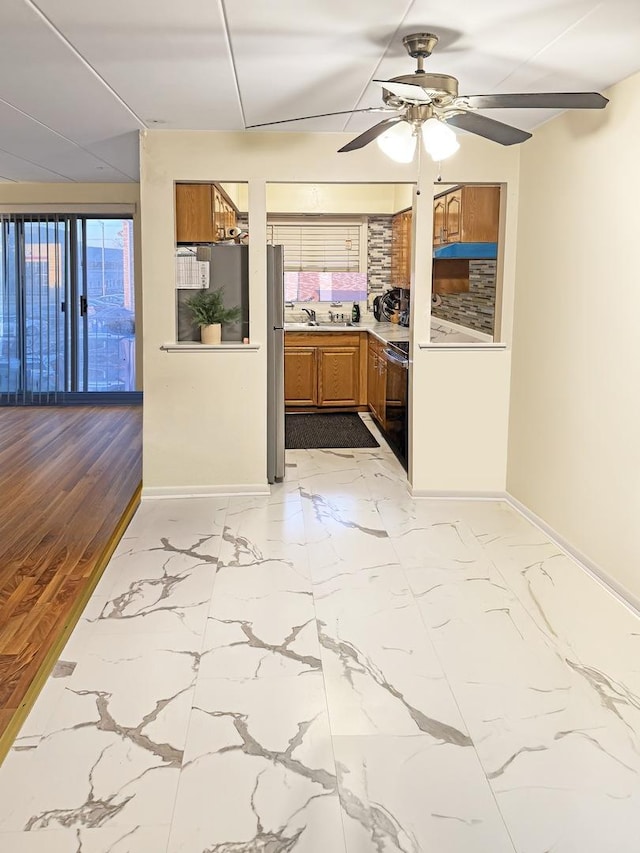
x,y
67,477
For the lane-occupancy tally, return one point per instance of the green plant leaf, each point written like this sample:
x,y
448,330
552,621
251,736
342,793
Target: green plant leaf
x,y
207,307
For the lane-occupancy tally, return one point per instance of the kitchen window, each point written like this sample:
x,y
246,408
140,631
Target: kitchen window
x,y
323,261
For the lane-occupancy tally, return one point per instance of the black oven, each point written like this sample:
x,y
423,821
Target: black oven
x,y
396,397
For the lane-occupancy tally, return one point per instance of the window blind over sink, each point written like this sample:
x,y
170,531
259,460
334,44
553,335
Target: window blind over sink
x,y
310,247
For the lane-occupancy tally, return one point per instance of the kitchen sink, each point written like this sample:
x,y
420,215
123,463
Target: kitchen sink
x,y
310,324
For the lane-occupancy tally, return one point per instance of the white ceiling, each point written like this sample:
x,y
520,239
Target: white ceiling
x,y
80,78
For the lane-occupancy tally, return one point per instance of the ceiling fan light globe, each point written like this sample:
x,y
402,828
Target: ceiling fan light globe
x,y
439,140
399,142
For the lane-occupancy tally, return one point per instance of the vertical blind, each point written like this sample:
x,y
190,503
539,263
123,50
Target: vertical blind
x,y
66,307
34,269
311,247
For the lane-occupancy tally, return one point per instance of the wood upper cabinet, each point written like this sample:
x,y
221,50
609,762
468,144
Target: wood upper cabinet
x,y
224,214
467,214
203,213
338,372
300,376
453,217
194,213
439,207
401,249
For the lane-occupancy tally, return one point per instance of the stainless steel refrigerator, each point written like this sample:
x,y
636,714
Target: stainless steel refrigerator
x,y
230,269
275,364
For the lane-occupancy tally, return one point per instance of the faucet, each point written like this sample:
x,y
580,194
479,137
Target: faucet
x,y
311,313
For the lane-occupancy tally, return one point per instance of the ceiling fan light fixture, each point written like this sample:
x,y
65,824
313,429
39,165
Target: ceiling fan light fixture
x,y
399,142
439,140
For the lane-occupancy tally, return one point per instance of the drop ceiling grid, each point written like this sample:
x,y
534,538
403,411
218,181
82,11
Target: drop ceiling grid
x,y
32,142
44,79
172,61
21,170
169,62
308,59
484,44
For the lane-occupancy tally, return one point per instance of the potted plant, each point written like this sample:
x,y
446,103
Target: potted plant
x,y
208,311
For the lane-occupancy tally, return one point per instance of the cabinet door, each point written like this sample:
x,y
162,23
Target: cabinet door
x,y
338,372
480,214
194,213
300,376
381,391
453,217
439,207
372,378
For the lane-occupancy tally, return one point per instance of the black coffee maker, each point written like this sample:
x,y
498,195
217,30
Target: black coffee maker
x,y
394,301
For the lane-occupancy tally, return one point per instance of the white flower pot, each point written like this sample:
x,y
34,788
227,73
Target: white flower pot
x,y
210,334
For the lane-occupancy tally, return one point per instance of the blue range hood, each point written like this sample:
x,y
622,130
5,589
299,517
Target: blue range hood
x,y
470,251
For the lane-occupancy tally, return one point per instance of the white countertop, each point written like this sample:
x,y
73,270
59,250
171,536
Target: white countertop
x,y
441,332
384,331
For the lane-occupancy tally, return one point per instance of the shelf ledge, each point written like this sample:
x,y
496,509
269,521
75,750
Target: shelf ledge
x,y
195,346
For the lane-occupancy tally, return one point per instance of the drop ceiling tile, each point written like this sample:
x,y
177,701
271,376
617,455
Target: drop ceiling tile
x,y
43,77
168,61
123,152
26,138
17,169
309,58
601,49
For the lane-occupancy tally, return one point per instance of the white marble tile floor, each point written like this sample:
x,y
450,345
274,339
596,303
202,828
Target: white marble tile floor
x,y
336,668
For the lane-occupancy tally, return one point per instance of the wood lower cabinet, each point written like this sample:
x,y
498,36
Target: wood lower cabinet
x,y
376,380
300,376
338,376
325,369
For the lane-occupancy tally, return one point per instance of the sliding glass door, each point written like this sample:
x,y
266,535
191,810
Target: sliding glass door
x,y
66,308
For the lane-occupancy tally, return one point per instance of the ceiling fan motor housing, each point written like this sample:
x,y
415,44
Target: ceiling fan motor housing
x,y
441,87
420,44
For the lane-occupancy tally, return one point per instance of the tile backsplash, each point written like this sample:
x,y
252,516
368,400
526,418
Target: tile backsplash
x,y
378,255
476,308
293,312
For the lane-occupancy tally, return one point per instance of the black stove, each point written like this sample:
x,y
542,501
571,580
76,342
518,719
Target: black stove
x,y
396,378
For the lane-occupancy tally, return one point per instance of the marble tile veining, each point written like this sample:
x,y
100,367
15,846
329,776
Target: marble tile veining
x,y
335,668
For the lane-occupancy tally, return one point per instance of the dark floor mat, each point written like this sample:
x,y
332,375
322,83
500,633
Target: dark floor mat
x,y
339,429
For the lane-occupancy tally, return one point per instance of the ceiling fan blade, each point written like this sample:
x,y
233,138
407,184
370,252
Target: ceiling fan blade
x,y
371,134
324,115
539,100
496,131
406,91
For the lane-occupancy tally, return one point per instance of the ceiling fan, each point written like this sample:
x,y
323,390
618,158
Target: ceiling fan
x,y
430,104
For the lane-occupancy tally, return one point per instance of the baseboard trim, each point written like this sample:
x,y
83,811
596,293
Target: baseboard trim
x,y
614,587
599,574
455,495
208,491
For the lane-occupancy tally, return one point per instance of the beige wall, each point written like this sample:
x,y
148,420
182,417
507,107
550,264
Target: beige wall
x,y
61,194
331,198
205,413
574,454
460,405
